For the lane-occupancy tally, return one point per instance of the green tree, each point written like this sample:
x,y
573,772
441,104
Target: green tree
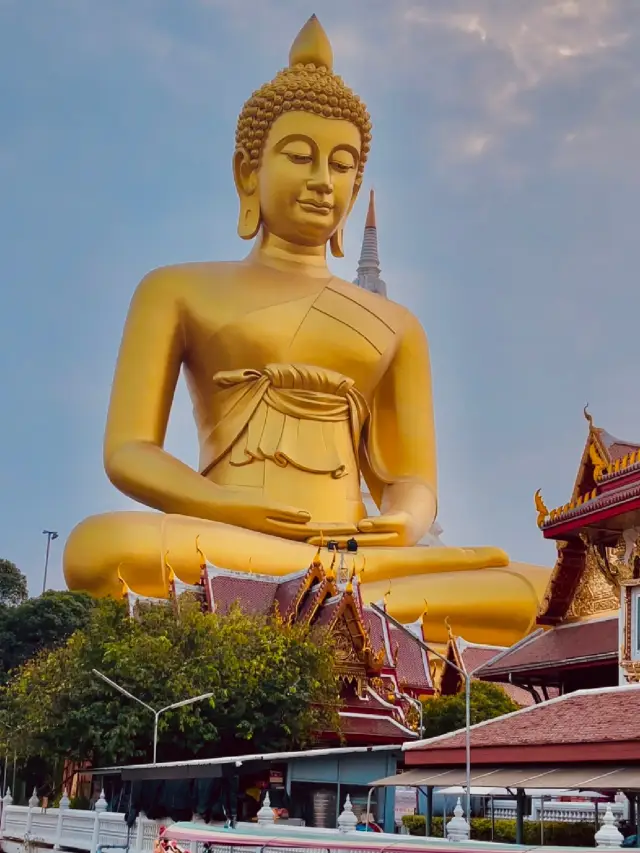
x,y
39,623
13,584
448,713
273,687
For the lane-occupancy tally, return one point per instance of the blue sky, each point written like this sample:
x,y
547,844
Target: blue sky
x,y
505,163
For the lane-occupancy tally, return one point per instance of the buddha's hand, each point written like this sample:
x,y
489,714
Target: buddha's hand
x,y
408,511
392,528
276,519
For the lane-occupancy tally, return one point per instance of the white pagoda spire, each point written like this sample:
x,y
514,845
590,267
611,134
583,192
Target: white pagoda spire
x,y
368,276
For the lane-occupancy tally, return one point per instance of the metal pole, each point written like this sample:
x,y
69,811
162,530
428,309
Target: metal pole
x,y
51,535
467,677
156,714
467,712
155,735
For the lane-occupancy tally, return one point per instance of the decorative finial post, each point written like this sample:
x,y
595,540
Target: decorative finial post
x,y
101,803
609,835
265,815
7,800
543,512
34,802
347,821
458,828
65,802
447,623
587,415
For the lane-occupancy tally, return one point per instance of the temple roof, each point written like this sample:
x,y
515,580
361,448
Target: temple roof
x,y
586,716
560,648
472,657
608,478
412,664
374,728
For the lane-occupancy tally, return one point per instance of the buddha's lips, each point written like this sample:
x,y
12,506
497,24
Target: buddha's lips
x,y
316,206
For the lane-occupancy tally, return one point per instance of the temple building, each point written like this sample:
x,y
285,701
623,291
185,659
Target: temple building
x,y
383,673
589,619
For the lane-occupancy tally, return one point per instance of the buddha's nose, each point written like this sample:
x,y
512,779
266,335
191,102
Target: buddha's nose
x,y
320,181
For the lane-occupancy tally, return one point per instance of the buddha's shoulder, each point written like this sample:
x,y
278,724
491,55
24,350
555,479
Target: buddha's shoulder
x,y
179,278
187,283
391,313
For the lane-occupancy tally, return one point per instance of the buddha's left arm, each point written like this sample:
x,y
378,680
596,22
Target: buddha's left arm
x,y
399,458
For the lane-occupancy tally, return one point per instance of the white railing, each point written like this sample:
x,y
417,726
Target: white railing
x,y
557,810
31,827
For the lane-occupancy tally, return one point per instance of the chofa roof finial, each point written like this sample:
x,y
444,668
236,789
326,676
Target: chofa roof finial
x,y
588,416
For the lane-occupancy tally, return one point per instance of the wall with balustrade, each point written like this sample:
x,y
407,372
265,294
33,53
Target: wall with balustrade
x,y
557,810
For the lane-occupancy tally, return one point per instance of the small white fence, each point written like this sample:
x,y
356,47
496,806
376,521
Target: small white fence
x,y
558,810
33,827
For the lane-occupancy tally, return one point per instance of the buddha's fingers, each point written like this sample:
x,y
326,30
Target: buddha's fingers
x,y
319,533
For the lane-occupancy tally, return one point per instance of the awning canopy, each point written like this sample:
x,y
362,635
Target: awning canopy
x,y
569,777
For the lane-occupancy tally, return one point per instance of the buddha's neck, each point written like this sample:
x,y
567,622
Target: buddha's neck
x,y
274,252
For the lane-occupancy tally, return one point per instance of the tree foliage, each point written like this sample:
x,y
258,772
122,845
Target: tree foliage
x,y
448,713
273,687
39,623
13,584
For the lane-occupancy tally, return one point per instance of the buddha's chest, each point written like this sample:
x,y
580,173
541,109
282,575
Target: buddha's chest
x,y
328,330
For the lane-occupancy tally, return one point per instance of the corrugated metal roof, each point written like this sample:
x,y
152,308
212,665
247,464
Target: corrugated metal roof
x,y
569,777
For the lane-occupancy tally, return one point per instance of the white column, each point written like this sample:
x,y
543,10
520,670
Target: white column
x,y
62,808
100,809
34,802
7,800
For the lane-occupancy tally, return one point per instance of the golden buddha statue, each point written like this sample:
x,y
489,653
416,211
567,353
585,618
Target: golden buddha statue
x,y
300,383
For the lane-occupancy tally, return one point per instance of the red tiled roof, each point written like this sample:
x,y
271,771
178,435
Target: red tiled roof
x,y
287,591
373,623
473,657
374,728
576,643
521,696
328,610
412,665
311,601
586,716
256,595
616,447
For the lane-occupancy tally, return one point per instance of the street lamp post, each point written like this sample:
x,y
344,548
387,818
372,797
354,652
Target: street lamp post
x,y
156,714
467,694
51,535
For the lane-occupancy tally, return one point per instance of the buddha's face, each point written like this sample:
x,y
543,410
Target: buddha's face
x,y
307,175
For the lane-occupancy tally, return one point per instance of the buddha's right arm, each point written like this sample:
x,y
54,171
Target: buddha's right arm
x,y
151,354
146,375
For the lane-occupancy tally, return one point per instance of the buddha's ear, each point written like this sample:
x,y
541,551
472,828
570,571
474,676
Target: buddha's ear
x,y
336,241
246,179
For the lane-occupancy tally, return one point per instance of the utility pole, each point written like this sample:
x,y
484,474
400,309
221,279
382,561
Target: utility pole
x,y
51,535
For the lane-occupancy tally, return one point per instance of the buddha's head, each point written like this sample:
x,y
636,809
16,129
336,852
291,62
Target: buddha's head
x,y
301,144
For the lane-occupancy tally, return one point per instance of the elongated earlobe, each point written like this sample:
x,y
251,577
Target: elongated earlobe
x,y
336,243
249,221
